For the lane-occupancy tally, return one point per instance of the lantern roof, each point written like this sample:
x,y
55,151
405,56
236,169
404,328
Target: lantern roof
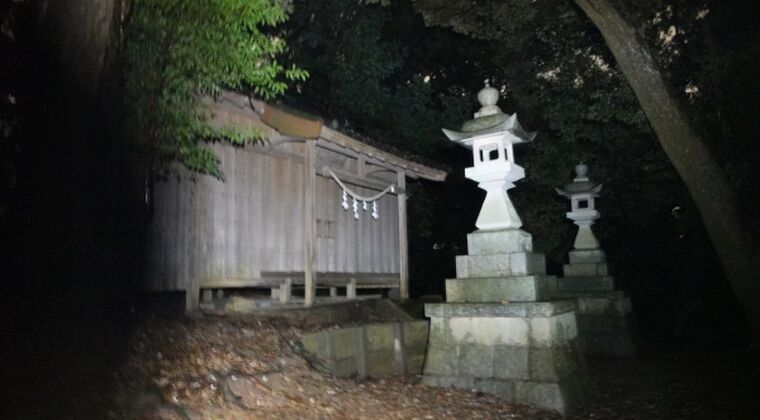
x,y
581,183
488,120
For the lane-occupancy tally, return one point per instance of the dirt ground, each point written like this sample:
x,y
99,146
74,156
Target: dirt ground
x,y
248,367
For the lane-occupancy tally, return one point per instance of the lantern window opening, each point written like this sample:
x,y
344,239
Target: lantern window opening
x,y
490,152
583,204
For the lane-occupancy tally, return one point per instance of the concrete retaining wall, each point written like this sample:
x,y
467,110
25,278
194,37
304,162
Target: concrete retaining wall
x,y
372,350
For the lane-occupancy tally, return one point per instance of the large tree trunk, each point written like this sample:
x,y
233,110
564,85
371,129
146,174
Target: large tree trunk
x,y
703,176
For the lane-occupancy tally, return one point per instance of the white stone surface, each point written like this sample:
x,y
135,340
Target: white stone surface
x,y
495,265
532,288
506,241
495,173
491,136
586,256
490,331
581,193
549,331
585,238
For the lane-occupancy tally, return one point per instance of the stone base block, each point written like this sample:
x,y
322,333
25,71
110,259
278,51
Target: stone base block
x,y
580,256
490,310
551,378
506,241
605,324
500,265
586,269
615,304
540,324
501,289
527,353
564,397
585,283
374,350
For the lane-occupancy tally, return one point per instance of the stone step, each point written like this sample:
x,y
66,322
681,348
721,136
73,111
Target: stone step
x,y
500,265
501,289
506,241
580,256
515,309
473,327
586,269
617,305
585,283
591,294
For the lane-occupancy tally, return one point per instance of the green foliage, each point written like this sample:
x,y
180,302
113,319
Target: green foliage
x,y
179,51
399,81
9,112
379,72
371,70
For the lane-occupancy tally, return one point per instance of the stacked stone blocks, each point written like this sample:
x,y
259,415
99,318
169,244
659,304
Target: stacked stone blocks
x,y
605,320
499,334
372,350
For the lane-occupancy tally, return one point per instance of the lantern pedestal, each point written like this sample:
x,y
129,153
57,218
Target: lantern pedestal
x,y
499,334
604,316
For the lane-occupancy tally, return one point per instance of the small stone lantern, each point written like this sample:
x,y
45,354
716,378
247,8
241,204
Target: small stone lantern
x,y
583,213
491,136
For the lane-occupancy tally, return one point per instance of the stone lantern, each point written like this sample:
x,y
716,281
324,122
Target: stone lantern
x,y
499,331
491,136
605,321
583,213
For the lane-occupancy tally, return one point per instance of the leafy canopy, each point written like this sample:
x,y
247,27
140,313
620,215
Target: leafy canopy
x,y
180,51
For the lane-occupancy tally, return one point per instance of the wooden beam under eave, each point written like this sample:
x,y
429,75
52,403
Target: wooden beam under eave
x,y
365,182
310,223
403,240
413,169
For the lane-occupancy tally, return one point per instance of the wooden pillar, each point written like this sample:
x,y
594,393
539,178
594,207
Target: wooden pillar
x,y
403,241
192,297
351,289
309,222
207,295
286,289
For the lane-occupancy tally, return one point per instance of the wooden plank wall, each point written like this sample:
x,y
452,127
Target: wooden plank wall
x,y
365,245
206,230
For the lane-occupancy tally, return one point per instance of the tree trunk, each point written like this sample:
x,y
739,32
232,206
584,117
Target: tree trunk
x,y
704,178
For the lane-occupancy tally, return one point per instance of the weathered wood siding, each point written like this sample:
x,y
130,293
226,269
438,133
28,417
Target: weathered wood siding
x,y
346,245
230,232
